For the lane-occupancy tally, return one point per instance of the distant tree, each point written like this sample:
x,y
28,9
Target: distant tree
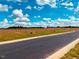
x,y
15,27
58,26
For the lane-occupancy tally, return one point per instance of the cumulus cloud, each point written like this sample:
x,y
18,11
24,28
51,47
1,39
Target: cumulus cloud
x,y
18,0
18,13
5,23
5,20
38,7
27,15
77,10
47,19
15,0
51,3
72,21
28,7
70,8
67,4
37,16
45,23
39,24
42,2
21,19
63,20
10,7
4,7
72,18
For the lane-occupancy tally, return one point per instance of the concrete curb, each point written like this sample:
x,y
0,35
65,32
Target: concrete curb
x,y
19,40
60,53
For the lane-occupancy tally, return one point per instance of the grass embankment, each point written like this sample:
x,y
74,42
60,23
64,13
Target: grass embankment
x,y
12,34
73,53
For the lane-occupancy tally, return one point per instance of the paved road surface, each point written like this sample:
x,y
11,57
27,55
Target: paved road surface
x,y
37,48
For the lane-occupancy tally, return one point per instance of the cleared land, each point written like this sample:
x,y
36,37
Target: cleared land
x,y
12,34
73,53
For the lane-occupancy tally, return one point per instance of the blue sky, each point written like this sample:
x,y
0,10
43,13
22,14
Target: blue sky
x,y
36,13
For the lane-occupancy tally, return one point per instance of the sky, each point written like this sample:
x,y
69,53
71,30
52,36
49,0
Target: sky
x,y
39,13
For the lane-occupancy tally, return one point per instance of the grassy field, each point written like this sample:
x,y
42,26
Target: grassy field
x,y
12,34
73,53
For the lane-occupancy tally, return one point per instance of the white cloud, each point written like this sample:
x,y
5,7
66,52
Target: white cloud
x,y
77,9
28,7
20,23
38,8
37,16
10,7
51,3
18,0
18,13
47,19
21,19
72,18
67,4
63,20
39,24
42,2
4,23
4,7
72,21
59,19
27,15
70,8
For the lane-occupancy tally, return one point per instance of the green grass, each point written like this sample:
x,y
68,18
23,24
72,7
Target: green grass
x,y
73,53
12,34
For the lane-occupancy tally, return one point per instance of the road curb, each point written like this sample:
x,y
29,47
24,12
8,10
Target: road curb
x,y
19,40
60,53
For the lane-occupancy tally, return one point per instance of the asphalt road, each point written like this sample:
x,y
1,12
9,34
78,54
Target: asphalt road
x,y
39,48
